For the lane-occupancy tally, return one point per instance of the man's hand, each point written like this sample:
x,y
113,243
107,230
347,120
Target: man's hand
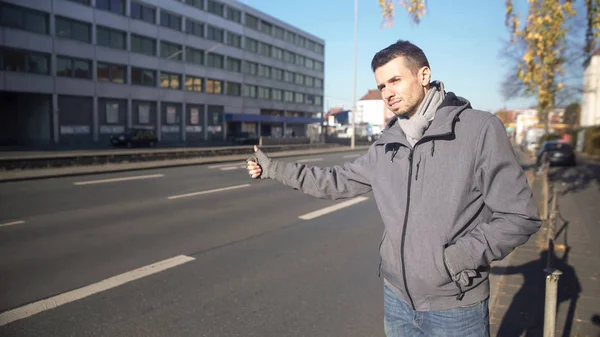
x,y
254,169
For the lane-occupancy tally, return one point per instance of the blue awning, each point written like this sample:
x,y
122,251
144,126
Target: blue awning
x,y
270,119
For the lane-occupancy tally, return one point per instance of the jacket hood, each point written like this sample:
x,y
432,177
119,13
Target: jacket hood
x,y
443,122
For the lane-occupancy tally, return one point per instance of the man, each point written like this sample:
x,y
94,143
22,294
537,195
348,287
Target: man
x,y
449,189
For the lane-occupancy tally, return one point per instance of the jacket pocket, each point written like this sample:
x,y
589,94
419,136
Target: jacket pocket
x,y
451,278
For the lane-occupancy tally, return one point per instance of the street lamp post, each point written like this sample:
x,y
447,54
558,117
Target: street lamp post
x,y
352,139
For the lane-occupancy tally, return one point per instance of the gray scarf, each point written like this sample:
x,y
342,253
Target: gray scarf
x,y
415,126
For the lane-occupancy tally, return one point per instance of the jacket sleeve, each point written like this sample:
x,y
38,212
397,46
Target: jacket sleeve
x,y
506,193
337,182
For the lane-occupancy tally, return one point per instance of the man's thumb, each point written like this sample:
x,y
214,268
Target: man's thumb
x,y
255,148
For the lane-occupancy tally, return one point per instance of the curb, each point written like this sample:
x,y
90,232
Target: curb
x,y
16,175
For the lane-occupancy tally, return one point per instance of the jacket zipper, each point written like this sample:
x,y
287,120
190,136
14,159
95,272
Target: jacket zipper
x,y
410,163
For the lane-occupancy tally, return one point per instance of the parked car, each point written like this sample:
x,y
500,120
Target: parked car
x,y
559,153
134,137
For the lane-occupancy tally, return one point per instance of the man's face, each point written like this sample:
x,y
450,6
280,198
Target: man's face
x,y
401,88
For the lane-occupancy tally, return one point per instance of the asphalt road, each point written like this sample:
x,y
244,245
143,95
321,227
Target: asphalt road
x,y
220,255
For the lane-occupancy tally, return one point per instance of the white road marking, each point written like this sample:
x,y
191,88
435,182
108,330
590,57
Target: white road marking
x,y
229,168
224,165
77,294
12,223
333,208
113,180
352,155
309,160
208,191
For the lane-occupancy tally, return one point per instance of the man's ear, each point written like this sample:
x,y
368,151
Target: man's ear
x,y
425,76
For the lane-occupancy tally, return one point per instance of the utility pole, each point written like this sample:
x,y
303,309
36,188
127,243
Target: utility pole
x,y
353,140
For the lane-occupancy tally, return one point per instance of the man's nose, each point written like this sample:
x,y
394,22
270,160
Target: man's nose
x,y
386,94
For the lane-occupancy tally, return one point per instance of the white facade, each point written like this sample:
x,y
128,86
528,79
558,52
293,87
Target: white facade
x,y
370,111
590,107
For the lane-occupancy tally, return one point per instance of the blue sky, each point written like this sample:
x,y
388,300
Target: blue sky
x,y
462,40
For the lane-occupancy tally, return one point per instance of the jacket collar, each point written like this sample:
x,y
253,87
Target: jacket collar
x,y
442,124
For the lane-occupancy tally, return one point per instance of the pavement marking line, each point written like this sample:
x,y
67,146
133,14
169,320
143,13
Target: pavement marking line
x,y
333,208
309,160
77,294
352,155
223,165
113,180
207,191
229,168
12,223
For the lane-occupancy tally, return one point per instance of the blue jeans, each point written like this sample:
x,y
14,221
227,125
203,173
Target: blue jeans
x,y
401,320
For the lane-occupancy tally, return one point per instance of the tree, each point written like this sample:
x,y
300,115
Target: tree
x,y
505,116
571,115
540,45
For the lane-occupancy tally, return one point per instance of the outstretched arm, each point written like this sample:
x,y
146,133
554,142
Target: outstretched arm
x,y
337,182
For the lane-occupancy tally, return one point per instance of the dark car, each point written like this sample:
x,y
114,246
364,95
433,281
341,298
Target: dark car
x,y
559,153
134,137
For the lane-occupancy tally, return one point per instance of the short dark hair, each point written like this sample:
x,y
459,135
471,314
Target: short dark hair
x,y
415,58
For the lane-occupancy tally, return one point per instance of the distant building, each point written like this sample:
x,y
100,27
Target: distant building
x,y
372,110
590,106
75,72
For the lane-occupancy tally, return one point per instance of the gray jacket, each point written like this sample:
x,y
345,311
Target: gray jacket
x,y
451,205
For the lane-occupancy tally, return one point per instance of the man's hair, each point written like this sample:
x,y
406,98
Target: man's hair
x,y
414,56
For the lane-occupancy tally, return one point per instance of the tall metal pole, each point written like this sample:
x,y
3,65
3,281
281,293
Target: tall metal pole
x,y
352,140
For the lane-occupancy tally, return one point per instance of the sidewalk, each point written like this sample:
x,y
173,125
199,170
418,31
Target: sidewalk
x,y
518,282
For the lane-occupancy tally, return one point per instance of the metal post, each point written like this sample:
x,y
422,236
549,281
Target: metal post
x,y
552,276
352,140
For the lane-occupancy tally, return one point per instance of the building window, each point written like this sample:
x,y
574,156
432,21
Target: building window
x,y
143,12
111,72
195,56
112,112
264,49
288,96
250,91
215,61
140,76
290,37
214,86
194,28
318,100
25,61
250,68
171,51
311,45
299,98
170,81
73,67
288,76
277,53
300,41
216,8
277,74
143,111
143,45
264,93
111,38
171,117
289,57
299,79
73,29
234,40
318,83
234,64
170,20
195,114
318,66
320,49
234,15
309,63
115,6
251,21
276,95
300,60
251,45
266,27
264,71
309,81
278,32
23,18
193,83
196,3
215,34
309,99
234,89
